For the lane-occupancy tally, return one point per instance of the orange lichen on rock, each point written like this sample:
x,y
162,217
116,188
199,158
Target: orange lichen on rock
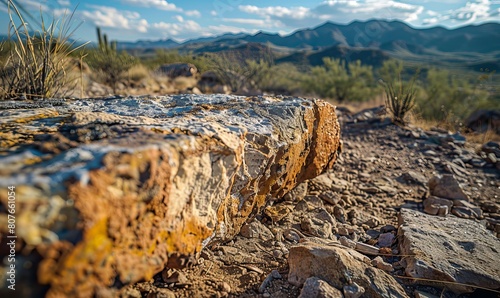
x,y
149,186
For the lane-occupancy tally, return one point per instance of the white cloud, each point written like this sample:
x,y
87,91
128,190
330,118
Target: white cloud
x,y
340,11
158,4
33,5
184,28
220,29
253,22
471,12
193,13
64,2
213,13
110,17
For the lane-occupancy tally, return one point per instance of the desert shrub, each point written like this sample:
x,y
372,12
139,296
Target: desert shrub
x,y
400,97
451,98
390,69
109,66
282,78
236,72
138,72
36,63
335,79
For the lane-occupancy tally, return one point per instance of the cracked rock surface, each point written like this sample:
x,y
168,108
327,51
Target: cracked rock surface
x,y
111,191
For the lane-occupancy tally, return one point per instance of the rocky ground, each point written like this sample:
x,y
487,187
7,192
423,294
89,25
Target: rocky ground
x,y
404,213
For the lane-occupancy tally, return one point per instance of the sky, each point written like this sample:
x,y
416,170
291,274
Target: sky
x,y
131,20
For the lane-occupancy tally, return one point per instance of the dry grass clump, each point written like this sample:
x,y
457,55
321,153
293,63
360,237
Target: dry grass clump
x,y
138,73
183,83
38,62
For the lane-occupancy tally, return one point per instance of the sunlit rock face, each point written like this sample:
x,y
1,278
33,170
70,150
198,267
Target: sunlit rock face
x,y
110,191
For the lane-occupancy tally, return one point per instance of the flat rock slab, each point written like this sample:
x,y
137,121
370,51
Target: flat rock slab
x,y
457,251
110,191
342,268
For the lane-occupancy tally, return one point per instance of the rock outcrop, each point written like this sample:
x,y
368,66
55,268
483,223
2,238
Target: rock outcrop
x,y
451,252
175,70
111,191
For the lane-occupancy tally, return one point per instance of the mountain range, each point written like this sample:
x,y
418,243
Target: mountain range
x,y
475,47
484,38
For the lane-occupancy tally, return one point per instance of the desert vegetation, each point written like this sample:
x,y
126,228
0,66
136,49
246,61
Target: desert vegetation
x,y
46,63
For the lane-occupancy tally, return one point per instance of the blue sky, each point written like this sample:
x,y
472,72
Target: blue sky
x,y
159,19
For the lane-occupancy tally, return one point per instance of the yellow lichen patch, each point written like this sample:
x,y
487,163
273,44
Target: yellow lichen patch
x,y
162,131
43,113
186,238
73,272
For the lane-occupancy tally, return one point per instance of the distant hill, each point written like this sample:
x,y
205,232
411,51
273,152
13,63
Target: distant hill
x,y
483,38
473,47
147,44
368,56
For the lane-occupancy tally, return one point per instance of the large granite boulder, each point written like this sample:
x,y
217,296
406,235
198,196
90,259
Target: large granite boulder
x,y
110,191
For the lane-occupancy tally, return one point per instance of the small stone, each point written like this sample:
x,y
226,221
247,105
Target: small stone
x,y
314,201
381,264
337,265
339,214
463,212
342,231
297,194
277,253
433,205
161,293
278,212
430,153
373,233
370,189
447,187
478,212
385,239
330,197
291,235
317,288
325,216
353,291
132,293
387,228
225,287
319,228
373,222
172,276
367,249
491,158
302,206
347,242
256,229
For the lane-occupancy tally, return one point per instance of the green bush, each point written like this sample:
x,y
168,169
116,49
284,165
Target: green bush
x,y
282,78
335,79
238,73
451,97
36,63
